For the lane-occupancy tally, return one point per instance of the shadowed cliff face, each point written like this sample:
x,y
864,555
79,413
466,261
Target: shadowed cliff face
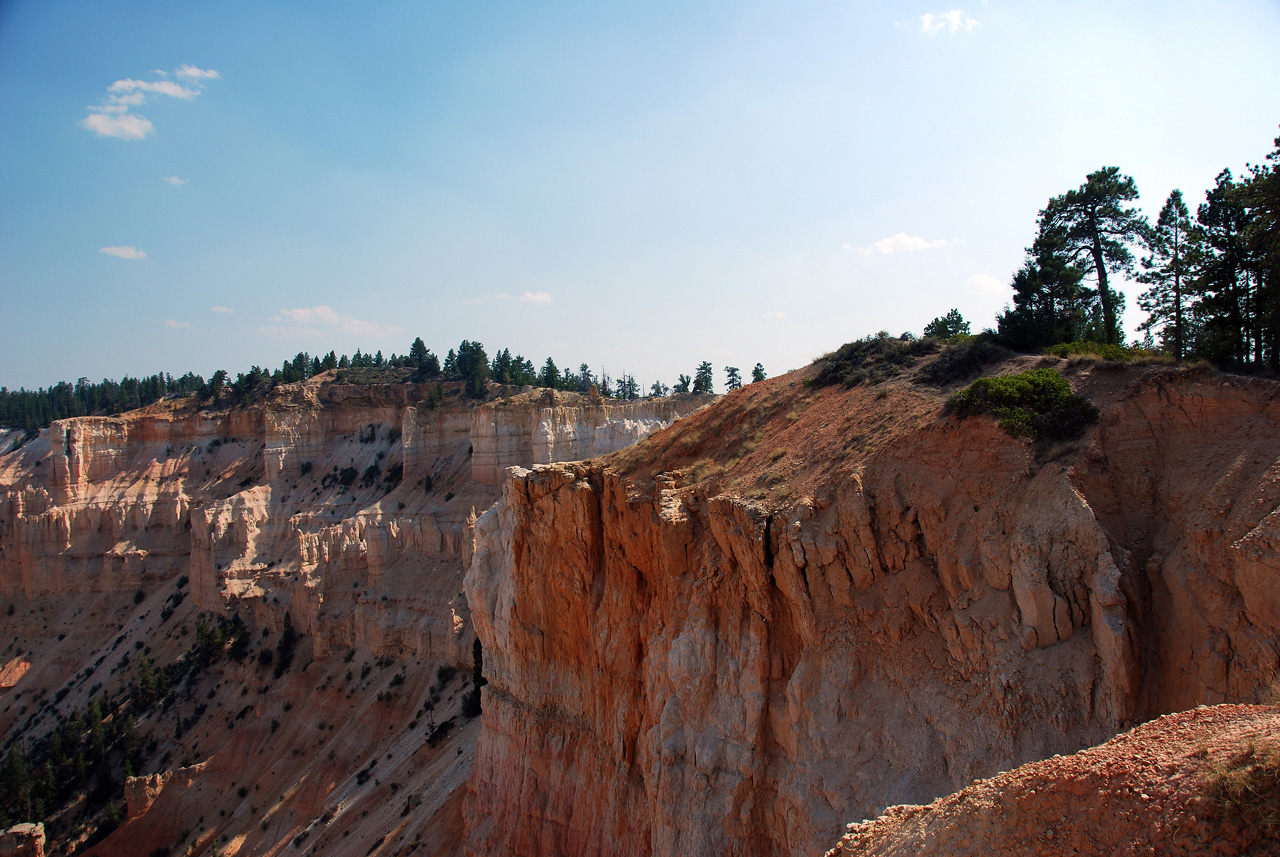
x,y
345,509
687,655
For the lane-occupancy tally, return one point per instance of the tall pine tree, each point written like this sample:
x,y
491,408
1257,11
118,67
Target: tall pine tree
x,y
1167,271
1095,228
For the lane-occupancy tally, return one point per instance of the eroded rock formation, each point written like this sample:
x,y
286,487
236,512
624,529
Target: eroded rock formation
x,y
344,511
677,666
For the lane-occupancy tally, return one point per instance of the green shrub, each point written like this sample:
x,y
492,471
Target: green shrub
x,y
871,360
1106,352
1037,404
963,358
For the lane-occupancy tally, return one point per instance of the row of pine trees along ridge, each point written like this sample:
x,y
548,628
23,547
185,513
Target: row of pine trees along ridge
x,y
1212,293
468,363
1212,280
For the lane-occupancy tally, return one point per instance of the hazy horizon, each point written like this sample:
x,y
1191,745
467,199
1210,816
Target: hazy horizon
x,y
641,187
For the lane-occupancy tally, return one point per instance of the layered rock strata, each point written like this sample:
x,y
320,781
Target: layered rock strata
x,y
678,669
345,511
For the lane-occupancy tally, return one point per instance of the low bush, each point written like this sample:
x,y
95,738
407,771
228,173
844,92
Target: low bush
x,y
1101,350
962,359
1037,404
871,360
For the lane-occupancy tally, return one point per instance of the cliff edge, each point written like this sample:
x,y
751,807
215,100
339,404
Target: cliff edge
x,y
802,606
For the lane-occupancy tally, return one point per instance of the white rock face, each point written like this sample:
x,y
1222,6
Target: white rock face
x,y
506,435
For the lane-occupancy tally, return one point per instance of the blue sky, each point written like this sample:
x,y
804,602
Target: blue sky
x,y
641,186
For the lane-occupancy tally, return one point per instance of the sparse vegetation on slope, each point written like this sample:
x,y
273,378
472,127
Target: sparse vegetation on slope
x,y
871,360
1037,404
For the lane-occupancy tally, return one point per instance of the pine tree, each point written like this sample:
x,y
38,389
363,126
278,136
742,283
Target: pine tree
x,y
1095,229
682,384
948,326
1261,194
550,374
1167,271
733,379
1225,280
703,381
1049,303
757,374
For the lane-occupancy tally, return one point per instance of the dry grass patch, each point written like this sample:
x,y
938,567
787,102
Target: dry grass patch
x,y
1244,787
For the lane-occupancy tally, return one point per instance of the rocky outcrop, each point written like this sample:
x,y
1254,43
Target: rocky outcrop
x,y
141,792
677,669
22,840
345,511
548,429
1163,788
335,502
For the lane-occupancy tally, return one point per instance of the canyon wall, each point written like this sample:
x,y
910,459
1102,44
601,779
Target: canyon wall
x,y
253,504
342,511
675,668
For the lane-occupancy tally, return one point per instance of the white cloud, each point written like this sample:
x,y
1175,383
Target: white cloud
x,y
953,22
174,180
123,252
904,243
326,317
133,99
124,125
984,284
222,309
112,118
863,250
168,322
159,87
536,298
193,73
775,314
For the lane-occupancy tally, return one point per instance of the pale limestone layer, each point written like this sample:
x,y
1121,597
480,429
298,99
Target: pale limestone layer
x,y
254,507
551,427
676,673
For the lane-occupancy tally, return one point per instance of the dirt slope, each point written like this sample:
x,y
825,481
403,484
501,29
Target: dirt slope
x,y
1160,788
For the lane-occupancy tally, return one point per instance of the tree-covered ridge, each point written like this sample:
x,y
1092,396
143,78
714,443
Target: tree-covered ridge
x,y
1213,281
469,364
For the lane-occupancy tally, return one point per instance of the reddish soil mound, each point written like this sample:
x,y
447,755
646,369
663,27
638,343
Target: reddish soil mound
x,y
1198,782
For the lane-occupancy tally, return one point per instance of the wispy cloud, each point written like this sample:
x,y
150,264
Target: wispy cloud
x,y
775,314
123,252
955,21
159,87
122,125
174,180
984,284
112,118
904,243
900,243
536,298
221,309
192,73
168,322
317,318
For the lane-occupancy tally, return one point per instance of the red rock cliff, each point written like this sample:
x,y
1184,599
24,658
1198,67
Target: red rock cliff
x,y
684,659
